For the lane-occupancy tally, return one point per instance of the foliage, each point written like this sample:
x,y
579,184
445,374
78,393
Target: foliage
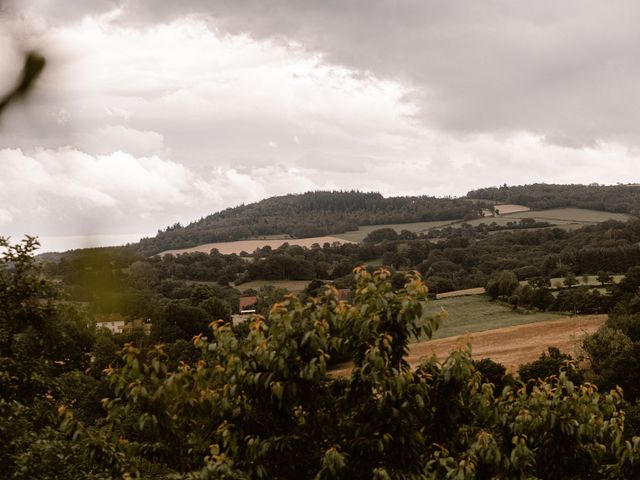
x,y
501,285
612,198
615,360
43,343
550,364
266,406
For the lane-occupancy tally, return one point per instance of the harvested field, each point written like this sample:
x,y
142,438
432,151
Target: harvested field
x,y
250,245
506,208
513,346
510,346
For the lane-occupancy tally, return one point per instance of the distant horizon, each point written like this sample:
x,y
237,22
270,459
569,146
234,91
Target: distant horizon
x,y
62,243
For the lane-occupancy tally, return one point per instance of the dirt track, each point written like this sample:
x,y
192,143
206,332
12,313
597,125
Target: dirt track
x,y
511,346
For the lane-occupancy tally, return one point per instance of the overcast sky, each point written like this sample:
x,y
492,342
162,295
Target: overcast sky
x,y
155,111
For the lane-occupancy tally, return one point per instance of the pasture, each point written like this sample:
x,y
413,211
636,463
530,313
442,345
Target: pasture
x,y
572,215
476,313
294,286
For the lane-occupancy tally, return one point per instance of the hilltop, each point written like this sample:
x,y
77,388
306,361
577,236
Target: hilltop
x,y
310,214
320,213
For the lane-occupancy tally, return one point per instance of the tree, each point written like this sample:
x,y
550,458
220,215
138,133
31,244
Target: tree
x,y
42,343
614,360
604,277
502,284
570,280
550,363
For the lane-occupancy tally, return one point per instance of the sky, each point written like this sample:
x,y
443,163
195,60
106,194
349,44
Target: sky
x,y
152,112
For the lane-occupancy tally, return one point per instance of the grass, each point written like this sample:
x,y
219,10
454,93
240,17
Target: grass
x,y
571,215
476,314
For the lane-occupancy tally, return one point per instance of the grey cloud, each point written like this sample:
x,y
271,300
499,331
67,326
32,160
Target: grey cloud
x,y
569,71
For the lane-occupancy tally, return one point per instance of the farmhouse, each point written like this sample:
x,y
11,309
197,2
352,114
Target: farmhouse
x,y
114,322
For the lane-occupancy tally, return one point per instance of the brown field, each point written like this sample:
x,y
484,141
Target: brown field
x,y
250,245
510,208
510,346
513,346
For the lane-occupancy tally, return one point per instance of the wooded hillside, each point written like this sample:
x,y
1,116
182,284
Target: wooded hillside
x,y
610,198
307,215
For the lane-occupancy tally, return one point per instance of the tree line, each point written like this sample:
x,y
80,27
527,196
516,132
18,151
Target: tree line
x,y
540,196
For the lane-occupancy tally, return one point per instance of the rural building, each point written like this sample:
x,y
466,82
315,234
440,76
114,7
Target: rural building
x,y
113,322
138,325
116,323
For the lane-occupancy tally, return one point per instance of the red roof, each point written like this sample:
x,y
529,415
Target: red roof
x,y
247,301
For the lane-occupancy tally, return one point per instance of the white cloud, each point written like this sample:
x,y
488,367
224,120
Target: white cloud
x,y
5,216
145,117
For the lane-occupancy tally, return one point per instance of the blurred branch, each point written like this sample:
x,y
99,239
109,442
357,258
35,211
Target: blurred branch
x,y
34,63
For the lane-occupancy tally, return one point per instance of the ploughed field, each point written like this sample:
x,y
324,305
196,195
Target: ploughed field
x,y
515,345
510,346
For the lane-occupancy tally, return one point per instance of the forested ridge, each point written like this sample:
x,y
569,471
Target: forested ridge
x,y
322,213
308,215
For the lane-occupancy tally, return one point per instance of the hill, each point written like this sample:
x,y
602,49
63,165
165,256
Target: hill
x,y
309,214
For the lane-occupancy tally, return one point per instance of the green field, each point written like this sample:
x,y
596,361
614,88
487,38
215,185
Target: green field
x,y
291,285
571,215
567,218
476,314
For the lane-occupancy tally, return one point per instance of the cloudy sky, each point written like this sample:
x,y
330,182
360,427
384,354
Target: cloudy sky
x,y
156,111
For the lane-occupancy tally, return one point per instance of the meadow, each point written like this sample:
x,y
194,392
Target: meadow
x,y
294,286
476,313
